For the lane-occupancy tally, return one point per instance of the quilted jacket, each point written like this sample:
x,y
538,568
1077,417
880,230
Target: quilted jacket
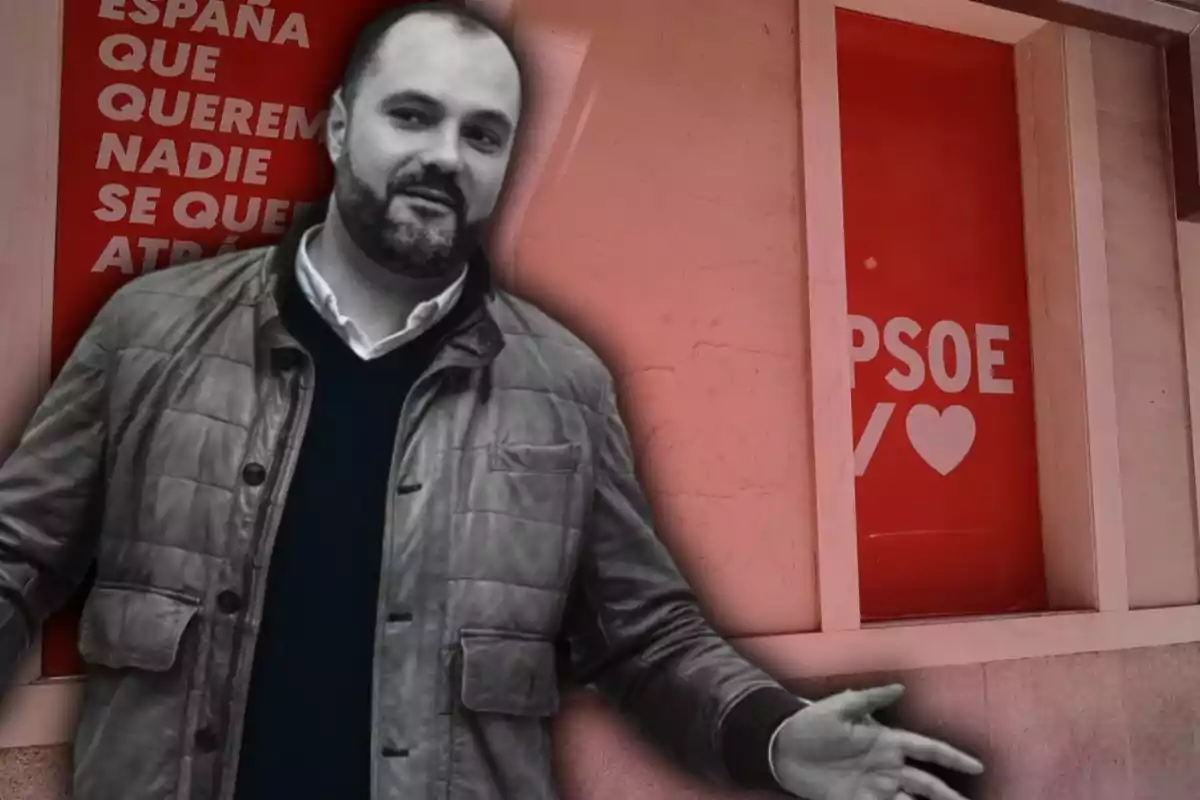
x,y
162,454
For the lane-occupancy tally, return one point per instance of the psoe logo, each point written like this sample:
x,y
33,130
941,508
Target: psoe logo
x,y
943,438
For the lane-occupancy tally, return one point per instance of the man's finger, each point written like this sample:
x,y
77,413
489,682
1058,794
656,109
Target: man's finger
x,y
864,701
922,748
903,796
914,781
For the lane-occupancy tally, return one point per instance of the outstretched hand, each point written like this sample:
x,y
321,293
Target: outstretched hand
x,y
834,750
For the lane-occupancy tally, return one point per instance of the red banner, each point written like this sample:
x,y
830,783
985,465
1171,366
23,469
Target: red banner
x,y
187,127
945,450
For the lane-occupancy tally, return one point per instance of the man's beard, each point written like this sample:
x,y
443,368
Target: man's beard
x,y
407,247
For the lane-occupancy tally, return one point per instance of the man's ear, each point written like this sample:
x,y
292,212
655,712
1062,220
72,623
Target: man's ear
x,y
336,124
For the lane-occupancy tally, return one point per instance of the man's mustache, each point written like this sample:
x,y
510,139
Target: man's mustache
x,y
434,186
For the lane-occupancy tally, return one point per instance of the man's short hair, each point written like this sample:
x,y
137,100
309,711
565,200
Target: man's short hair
x,y
366,45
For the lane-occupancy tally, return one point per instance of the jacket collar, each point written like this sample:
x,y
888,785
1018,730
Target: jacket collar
x,y
477,337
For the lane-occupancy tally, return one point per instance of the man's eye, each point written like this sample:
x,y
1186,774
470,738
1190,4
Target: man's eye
x,y
409,116
483,138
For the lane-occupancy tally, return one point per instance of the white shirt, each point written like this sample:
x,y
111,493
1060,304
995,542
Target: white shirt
x,y
319,293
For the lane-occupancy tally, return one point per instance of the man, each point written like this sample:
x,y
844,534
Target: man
x,y
354,512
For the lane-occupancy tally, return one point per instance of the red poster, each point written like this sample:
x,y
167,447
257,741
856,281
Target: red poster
x,y
945,451
186,126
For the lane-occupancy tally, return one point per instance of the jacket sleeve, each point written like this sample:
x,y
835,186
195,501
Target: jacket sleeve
x,y
50,490
634,630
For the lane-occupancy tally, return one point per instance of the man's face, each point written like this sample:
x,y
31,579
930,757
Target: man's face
x,y
421,156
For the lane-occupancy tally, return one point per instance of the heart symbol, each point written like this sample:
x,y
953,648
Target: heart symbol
x,y
942,439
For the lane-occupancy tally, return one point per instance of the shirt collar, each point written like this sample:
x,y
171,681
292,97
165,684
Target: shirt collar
x,y
321,296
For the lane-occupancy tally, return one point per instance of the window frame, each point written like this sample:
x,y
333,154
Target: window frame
x,y
844,645
36,711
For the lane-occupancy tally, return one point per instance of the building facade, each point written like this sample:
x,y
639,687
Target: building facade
x,y
908,336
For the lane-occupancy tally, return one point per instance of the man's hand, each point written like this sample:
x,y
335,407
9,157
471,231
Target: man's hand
x,y
833,750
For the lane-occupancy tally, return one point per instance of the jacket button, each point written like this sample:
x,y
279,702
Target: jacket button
x,y
254,474
229,602
206,740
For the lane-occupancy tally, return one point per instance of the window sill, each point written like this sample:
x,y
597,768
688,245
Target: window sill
x,y
41,713
942,643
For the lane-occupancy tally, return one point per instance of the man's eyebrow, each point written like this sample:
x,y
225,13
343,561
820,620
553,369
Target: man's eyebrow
x,y
410,96
496,118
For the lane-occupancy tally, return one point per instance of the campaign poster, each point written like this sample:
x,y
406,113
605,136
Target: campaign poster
x,y
942,396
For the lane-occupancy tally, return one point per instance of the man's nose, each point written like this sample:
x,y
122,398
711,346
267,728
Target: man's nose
x,y
445,149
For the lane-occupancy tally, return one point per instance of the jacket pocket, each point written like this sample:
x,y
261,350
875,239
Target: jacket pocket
x,y
509,674
133,628
543,458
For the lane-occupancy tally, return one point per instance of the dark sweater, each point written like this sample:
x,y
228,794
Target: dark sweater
x,y
308,722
